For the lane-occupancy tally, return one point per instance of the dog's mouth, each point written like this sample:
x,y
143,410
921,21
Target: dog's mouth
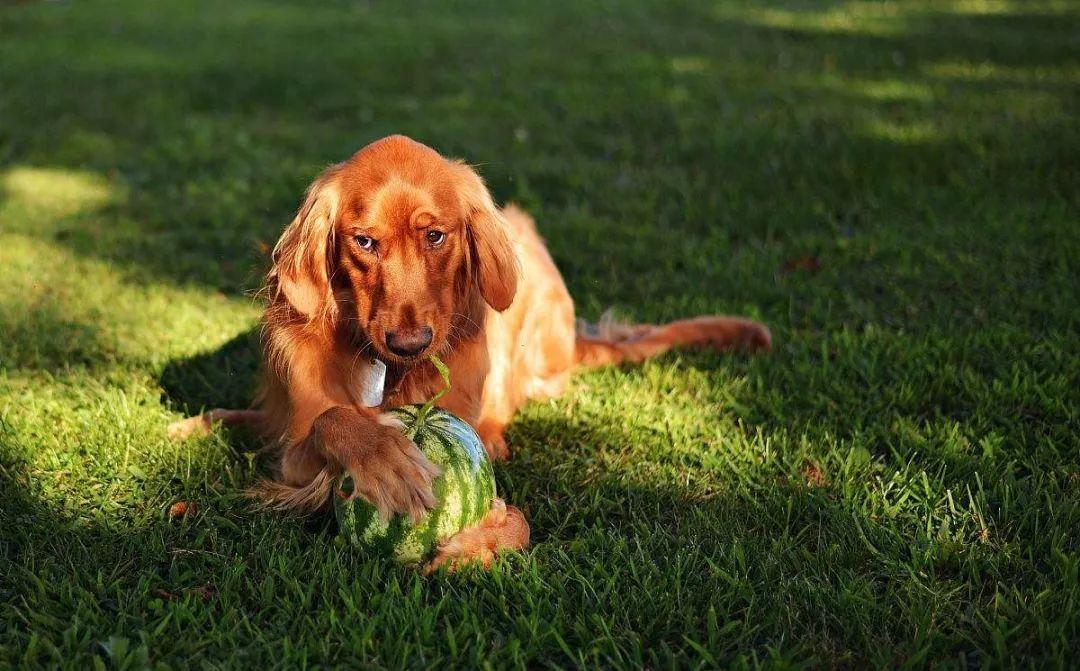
x,y
397,367
403,361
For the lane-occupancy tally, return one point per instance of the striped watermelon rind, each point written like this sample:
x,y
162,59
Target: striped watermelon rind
x,y
464,491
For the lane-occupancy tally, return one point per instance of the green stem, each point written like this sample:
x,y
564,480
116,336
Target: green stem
x,y
426,408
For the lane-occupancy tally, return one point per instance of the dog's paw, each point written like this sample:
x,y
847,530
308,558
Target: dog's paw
x,y
503,528
491,433
203,425
497,448
190,427
387,468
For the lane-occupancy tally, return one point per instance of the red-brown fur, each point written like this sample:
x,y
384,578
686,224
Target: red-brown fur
x,y
499,312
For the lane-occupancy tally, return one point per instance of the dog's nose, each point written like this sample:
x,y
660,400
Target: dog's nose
x,y
408,342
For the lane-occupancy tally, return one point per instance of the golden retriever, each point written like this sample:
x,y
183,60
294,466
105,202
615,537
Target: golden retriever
x,y
397,254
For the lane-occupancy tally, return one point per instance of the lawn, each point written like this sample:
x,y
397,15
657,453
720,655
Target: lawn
x,y
893,187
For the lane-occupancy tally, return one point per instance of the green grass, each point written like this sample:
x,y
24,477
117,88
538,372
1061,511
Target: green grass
x,y
894,187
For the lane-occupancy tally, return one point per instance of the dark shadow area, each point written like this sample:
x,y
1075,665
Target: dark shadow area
x,y
224,378
42,337
262,114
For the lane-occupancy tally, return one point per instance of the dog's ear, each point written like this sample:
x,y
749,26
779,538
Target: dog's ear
x,y
496,263
304,255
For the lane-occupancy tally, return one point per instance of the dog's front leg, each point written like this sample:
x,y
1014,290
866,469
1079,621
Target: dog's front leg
x,y
388,469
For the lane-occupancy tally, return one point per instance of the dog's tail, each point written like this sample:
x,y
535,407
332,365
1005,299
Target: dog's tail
x,y
305,498
277,494
612,342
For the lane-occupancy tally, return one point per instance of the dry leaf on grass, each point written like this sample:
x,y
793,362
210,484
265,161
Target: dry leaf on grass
x,y
815,477
807,263
182,509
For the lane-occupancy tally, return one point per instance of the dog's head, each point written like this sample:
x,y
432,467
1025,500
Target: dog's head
x,y
399,246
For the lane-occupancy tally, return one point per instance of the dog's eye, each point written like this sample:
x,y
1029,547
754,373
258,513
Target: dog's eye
x,y
435,238
367,244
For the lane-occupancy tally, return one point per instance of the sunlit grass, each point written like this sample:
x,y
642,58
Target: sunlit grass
x,y
994,7
49,194
891,90
880,18
1065,73
60,309
923,131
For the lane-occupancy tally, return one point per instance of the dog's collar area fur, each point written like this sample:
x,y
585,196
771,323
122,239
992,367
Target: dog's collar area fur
x,y
395,375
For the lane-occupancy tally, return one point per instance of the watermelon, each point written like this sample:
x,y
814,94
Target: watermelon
x,y
463,492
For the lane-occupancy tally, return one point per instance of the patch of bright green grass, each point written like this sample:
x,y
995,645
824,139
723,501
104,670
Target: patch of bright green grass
x,y
892,186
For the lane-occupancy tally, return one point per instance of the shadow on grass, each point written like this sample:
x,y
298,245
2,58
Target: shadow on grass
x,y
43,337
212,183
227,377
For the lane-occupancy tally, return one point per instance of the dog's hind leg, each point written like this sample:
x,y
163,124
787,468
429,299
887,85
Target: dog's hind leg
x,y
201,425
504,528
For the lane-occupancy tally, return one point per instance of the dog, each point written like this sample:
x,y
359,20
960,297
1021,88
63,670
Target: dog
x,y
396,254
